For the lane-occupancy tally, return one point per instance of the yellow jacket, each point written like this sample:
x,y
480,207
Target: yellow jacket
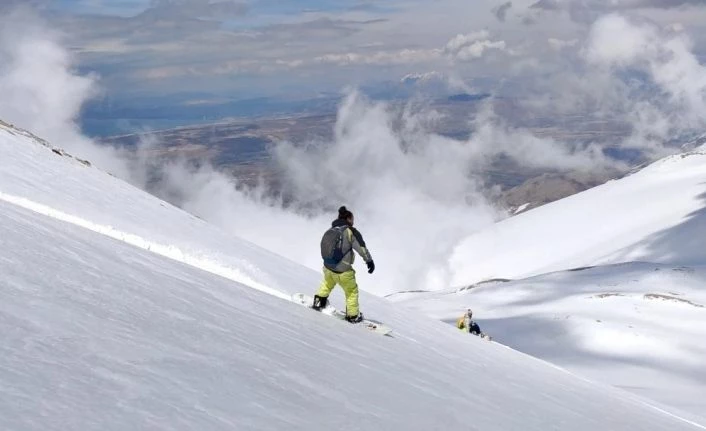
x,y
473,326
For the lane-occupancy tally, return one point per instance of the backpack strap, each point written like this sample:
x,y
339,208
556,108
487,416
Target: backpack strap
x,y
351,233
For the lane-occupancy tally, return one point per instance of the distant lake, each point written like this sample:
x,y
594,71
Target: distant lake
x,y
99,128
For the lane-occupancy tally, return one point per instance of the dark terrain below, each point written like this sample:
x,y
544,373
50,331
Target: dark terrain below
x,y
241,147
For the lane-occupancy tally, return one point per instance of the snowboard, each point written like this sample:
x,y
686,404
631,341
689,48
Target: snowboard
x,y
330,310
483,336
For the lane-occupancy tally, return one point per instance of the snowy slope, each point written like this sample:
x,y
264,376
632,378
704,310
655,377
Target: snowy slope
x,y
654,215
114,319
637,326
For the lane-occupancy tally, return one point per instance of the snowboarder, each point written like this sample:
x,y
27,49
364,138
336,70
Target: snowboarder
x,y
466,324
337,247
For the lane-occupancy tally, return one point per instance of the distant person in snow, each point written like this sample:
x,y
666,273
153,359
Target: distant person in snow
x,y
337,246
466,324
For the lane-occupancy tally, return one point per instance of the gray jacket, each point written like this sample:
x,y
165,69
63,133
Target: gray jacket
x,y
352,240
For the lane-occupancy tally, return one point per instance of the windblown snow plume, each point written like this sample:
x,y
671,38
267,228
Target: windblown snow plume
x,y
643,77
671,79
413,195
42,92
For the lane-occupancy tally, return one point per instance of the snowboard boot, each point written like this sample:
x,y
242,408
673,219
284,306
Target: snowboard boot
x,y
355,319
320,302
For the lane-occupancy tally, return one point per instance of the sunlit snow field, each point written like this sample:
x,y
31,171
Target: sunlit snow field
x,y
99,332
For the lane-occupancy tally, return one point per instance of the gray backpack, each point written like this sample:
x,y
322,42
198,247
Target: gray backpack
x,y
332,245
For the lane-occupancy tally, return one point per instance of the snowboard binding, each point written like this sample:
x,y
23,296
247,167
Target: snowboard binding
x,y
320,302
355,319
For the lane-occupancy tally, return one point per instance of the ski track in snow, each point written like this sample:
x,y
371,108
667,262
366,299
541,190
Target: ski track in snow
x,y
168,251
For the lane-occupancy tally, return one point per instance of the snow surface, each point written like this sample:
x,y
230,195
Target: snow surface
x,y
657,215
521,208
637,326
637,320
118,311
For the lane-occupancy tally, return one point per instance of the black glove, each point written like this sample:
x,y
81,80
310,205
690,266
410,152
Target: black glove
x,y
371,266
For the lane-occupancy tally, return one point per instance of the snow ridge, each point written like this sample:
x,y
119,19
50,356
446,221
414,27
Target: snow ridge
x,y
168,251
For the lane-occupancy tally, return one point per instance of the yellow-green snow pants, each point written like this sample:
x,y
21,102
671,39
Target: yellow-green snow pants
x,y
348,284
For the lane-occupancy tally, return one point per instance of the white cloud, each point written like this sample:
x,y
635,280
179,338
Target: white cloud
x,y
462,47
413,78
676,27
40,90
382,151
492,137
666,58
471,46
381,183
478,48
405,56
436,83
559,44
614,41
461,40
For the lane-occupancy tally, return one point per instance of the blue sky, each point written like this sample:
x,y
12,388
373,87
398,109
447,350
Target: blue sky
x,y
260,12
298,48
117,7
